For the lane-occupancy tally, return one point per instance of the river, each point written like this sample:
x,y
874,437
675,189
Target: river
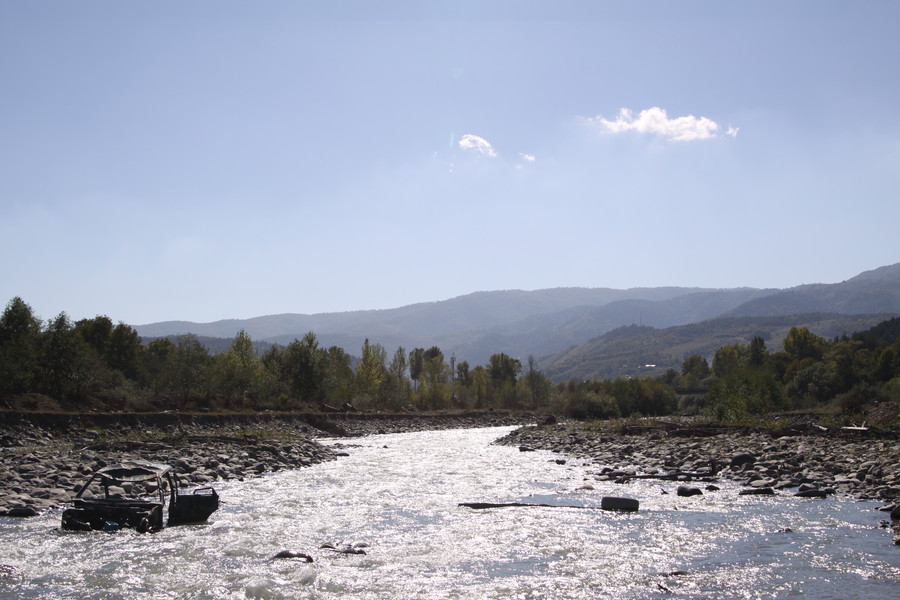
x,y
396,497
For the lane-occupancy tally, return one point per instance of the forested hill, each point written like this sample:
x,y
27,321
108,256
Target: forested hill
x,y
637,351
543,323
873,291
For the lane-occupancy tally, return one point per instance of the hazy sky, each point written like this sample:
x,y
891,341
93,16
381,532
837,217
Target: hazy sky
x,y
208,160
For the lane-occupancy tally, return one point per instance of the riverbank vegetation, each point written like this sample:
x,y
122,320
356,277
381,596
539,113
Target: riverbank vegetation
x,y
95,364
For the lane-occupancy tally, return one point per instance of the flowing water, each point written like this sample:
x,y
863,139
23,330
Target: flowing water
x,y
398,495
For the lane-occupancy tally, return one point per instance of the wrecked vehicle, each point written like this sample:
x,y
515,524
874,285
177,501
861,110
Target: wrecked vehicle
x,y
115,497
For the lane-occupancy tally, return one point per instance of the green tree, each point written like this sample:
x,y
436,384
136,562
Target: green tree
x,y
434,391
189,367
758,354
695,366
538,386
70,366
727,360
20,339
800,343
370,372
463,377
157,359
503,372
303,366
745,393
238,371
416,364
397,369
125,352
340,380
479,387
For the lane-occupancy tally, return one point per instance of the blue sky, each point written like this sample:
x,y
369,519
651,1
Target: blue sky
x,y
211,160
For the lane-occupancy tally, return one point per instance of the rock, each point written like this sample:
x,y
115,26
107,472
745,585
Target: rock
x,y
895,514
684,490
740,460
22,511
292,554
623,504
764,491
813,493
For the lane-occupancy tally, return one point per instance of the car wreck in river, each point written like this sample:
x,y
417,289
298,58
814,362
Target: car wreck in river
x,y
116,497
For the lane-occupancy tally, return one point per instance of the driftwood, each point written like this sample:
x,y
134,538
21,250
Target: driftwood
x,y
607,503
484,505
675,476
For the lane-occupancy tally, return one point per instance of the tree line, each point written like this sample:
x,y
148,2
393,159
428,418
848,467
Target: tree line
x,y
98,363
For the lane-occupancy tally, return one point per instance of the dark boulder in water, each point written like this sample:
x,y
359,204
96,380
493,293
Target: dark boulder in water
x,y
684,490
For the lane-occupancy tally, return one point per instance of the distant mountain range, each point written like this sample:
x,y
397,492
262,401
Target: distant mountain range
x,y
583,332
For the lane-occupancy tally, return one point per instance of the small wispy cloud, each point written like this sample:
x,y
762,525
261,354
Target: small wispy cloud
x,y
732,131
656,121
478,144
526,157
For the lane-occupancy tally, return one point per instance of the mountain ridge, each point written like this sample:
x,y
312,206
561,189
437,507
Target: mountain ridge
x,y
544,323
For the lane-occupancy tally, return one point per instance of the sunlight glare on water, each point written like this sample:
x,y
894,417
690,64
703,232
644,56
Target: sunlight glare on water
x,y
398,495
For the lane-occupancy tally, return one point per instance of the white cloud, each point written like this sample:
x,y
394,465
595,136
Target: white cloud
x,y
732,131
655,121
477,144
526,157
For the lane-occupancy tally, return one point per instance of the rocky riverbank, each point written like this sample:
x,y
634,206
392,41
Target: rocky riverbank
x,y
811,462
856,463
44,458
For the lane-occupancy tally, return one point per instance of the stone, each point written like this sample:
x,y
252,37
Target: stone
x,y
686,491
740,460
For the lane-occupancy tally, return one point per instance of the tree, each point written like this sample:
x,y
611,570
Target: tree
x,y
68,362
758,353
503,369
726,360
695,366
397,370
800,343
158,357
416,364
20,342
744,393
124,351
538,385
303,367
238,370
434,392
189,361
479,386
462,374
370,371
503,372
340,381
